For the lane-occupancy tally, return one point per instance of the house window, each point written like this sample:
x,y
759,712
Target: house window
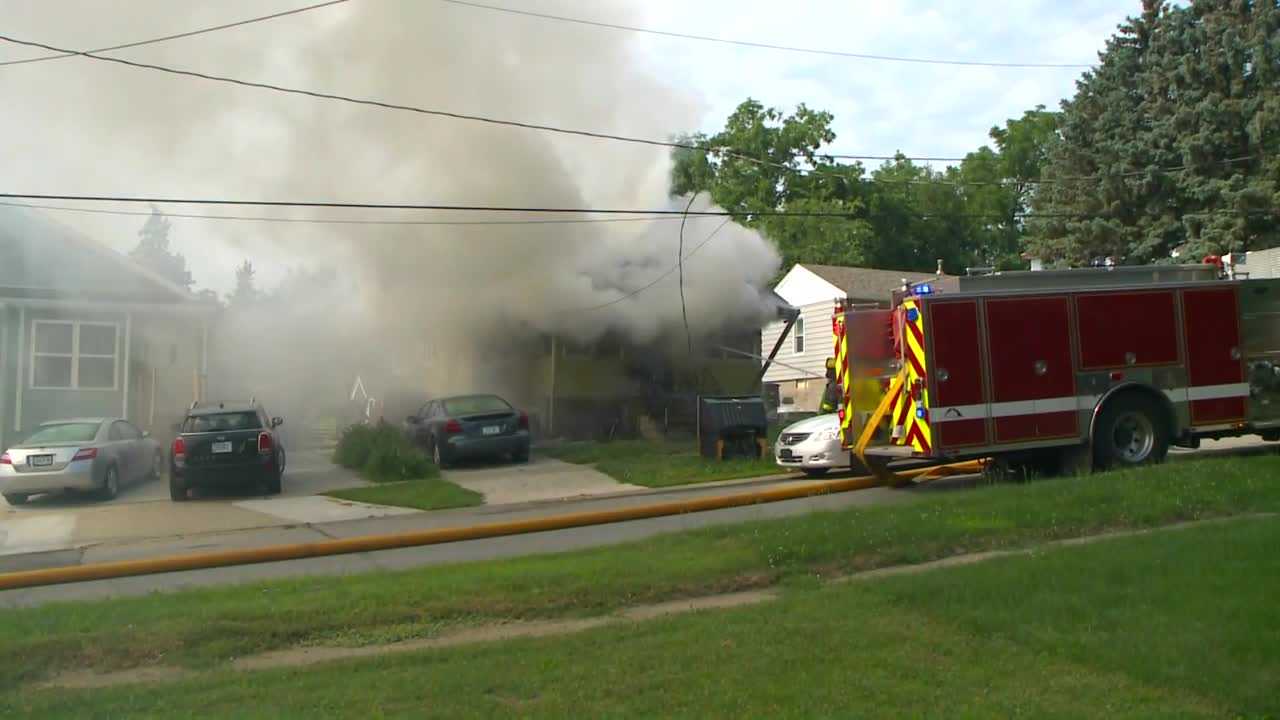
x,y
797,336
74,355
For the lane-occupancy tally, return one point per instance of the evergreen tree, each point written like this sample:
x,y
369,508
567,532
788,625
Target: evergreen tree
x,y
1193,88
246,291
153,252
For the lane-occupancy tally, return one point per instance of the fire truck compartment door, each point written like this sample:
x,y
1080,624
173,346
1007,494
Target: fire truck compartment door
x,y
1216,386
960,410
1033,382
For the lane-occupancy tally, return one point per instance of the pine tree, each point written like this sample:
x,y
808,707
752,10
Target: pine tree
x,y
1168,147
153,252
246,290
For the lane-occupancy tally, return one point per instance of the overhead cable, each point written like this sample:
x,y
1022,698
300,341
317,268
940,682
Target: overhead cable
x,y
763,45
177,36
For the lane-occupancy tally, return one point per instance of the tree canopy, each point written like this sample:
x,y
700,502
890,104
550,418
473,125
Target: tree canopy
x,y
1168,146
901,215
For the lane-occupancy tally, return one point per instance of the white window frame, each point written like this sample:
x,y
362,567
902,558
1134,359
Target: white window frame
x,y
797,338
75,356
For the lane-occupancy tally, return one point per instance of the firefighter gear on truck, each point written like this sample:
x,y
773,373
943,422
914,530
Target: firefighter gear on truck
x,y
831,394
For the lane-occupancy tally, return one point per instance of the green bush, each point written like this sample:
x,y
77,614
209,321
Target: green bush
x,y
382,454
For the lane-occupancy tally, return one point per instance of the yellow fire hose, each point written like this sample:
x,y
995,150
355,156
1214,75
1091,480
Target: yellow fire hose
x,y
869,430
370,543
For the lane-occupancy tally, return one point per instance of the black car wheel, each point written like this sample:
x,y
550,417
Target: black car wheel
x,y
156,463
110,484
521,455
438,456
177,491
275,482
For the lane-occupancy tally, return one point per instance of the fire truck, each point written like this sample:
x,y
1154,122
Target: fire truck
x,y
1076,369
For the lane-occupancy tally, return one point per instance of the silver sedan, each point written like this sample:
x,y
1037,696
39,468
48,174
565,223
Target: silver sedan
x,y
98,455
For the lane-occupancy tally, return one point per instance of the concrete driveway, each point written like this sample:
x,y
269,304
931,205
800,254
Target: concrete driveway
x,y
540,479
53,522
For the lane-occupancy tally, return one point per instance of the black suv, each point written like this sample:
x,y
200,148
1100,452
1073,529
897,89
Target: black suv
x,y
222,444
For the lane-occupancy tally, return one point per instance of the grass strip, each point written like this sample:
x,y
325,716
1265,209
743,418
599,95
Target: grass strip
x,y
205,627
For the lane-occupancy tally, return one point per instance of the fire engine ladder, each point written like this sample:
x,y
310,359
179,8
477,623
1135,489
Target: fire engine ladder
x,y
878,462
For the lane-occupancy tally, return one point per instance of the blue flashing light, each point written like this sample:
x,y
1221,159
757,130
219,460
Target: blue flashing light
x,y
920,413
924,289
913,315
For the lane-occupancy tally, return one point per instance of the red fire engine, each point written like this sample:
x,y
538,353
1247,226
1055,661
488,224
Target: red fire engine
x,y
1097,367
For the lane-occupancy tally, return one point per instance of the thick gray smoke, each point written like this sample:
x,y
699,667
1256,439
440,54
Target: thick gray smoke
x,y
424,303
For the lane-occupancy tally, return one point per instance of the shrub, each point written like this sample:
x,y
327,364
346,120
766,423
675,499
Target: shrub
x,y
382,454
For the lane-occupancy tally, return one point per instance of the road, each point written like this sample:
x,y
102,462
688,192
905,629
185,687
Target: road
x,y
232,523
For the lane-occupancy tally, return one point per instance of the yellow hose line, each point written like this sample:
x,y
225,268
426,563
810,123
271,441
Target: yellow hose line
x,y
370,543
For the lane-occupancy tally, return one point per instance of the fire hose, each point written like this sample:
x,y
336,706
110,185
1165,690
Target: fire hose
x,y
420,538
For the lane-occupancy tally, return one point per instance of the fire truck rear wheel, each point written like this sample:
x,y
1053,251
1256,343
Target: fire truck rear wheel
x,y
1132,430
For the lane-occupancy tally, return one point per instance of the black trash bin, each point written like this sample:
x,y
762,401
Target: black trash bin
x,y
732,426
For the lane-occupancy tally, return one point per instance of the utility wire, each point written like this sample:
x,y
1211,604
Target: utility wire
x,y
684,312
761,45
708,149
166,38
338,221
712,150
657,279
654,213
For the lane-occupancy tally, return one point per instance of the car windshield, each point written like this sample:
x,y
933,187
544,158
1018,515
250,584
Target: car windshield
x,y
475,404
65,432
222,422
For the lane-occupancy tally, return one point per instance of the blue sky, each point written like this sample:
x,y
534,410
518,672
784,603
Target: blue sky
x,y
882,107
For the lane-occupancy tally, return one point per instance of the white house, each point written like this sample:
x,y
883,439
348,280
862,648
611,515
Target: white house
x,y
799,368
1261,263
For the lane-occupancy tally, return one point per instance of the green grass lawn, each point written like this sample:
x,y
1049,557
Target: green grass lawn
x,y
659,464
1174,624
426,494
206,627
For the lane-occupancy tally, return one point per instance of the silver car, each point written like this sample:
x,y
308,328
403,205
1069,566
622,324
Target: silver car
x,y
812,445
80,454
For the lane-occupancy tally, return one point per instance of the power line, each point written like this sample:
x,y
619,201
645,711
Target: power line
x,y
339,221
684,313
427,111
657,279
712,150
654,213
762,45
191,33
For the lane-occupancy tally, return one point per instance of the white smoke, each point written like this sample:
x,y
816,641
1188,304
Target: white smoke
x,y
97,128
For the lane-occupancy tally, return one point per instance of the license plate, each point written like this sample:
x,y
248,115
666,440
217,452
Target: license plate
x,y
784,454
222,447
491,430
40,460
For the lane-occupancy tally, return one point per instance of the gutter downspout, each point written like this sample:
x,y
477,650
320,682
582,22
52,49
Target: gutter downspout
x,y
204,360
4,354
128,344
551,406
22,351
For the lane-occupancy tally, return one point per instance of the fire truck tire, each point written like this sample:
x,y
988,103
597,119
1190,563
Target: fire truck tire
x,y
1131,430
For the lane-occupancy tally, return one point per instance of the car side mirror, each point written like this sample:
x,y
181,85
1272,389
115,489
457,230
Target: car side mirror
x,y
277,421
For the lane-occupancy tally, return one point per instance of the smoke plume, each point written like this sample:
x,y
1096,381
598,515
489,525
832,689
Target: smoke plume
x,y
416,301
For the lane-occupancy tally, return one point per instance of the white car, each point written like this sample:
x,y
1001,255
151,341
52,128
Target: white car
x,y
812,445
